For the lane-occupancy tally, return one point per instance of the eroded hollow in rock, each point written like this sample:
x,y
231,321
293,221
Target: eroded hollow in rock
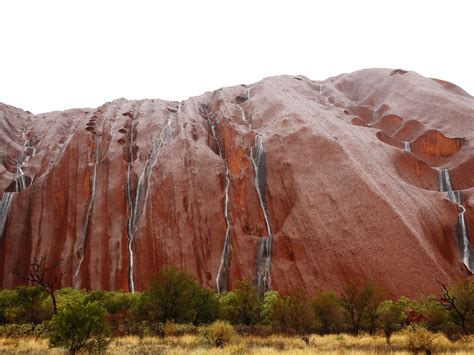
x,y
389,124
434,147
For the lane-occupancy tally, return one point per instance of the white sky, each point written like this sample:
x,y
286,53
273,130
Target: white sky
x,y
62,54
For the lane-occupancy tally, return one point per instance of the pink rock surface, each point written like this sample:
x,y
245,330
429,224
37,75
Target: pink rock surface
x,y
120,191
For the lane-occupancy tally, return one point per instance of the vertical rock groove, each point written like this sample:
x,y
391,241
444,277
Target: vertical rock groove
x,y
222,278
264,258
137,202
264,249
96,137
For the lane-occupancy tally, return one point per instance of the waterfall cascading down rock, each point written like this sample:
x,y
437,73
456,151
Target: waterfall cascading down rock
x,y
444,181
264,244
463,236
5,203
20,181
222,277
96,141
262,256
130,152
454,196
242,114
406,146
258,162
462,232
264,250
137,204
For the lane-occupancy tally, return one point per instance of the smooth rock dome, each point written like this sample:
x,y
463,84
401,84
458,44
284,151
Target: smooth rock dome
x,y
288,182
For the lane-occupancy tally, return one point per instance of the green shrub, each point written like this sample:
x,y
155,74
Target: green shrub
x,y
207,305
67,295
171,297
242,305
7,299
269,300
28,305
80,326
220,334
121,308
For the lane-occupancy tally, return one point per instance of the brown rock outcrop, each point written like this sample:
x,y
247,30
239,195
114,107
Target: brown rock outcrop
x,y
288,182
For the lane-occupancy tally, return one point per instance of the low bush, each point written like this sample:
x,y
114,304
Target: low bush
x,y
25,330
80,326
419,339
220,334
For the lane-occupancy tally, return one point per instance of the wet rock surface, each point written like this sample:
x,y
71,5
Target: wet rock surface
x,y
288,182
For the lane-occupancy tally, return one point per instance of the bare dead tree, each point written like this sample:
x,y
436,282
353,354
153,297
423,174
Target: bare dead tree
x,y
461,303
37,273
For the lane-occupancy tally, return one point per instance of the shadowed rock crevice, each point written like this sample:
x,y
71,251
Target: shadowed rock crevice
x,y
95,126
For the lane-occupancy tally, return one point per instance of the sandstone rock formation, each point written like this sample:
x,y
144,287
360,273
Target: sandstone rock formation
x,y
288,182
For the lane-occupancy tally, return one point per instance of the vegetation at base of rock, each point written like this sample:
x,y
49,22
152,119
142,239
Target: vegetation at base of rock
x,y
80,326
174,305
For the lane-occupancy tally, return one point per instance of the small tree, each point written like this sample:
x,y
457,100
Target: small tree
x,y
356,299
38,273
391,316
376,295
328,312
293,315
80,326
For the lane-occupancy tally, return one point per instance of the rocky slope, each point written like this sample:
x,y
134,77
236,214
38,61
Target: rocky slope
x,y
288,182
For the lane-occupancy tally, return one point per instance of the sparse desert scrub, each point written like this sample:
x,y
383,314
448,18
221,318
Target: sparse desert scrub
x,y
243,323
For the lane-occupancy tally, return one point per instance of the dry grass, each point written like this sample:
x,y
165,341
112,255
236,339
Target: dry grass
x,y
26,346
275,344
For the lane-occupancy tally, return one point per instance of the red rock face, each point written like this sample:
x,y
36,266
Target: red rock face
x,y
288,182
